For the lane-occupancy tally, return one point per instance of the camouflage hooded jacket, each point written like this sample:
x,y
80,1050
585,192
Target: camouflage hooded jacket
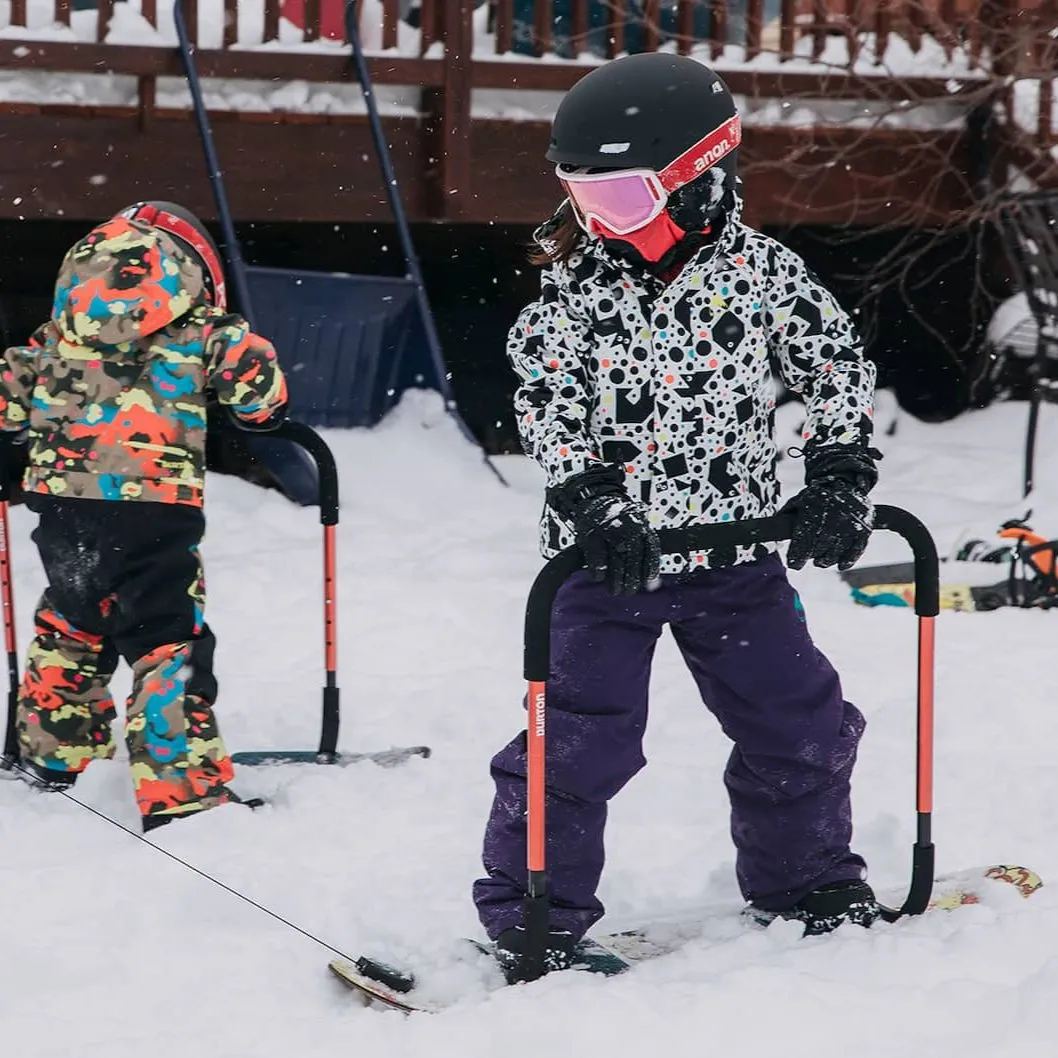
x,y
113,387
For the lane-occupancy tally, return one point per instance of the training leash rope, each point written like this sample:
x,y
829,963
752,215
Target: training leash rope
x,y
183,863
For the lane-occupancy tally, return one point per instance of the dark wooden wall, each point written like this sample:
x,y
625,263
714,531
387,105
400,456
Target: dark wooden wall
x,y
56,163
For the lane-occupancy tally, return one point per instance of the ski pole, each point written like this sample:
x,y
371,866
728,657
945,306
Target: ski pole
x,y
7,602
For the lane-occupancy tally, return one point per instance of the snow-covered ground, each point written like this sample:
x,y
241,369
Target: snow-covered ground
x,y
109,948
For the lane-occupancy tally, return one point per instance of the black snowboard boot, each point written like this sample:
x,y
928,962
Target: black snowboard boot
x,y
824,909
510,948
154,821
41,778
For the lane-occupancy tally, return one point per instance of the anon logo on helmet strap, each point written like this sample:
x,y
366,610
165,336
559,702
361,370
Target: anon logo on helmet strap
x,y
704,154
712,155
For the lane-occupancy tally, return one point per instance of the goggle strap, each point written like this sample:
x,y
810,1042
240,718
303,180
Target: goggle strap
x,y
703,155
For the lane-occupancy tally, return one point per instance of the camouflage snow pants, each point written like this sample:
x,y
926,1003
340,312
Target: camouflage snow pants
x,y
125,581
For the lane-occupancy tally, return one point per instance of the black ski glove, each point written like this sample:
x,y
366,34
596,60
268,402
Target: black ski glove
x,y
611,528
833,516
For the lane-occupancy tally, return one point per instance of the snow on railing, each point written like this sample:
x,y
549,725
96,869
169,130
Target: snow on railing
x,y
385,25
790,31
605,28
1009,47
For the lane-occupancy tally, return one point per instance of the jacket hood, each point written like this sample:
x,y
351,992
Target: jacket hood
x,y
122,282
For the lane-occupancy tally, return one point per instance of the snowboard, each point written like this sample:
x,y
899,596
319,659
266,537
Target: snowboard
x,y
967,587
615,953
1016,569
395,989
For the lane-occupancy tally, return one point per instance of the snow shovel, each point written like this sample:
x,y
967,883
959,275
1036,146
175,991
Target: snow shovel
x,y
537,667
358,341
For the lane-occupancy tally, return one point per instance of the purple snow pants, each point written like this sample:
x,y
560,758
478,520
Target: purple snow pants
x,y
742,633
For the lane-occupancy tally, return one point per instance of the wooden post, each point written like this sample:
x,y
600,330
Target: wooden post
x,y
1046,113
883,24
504,26
104,13
787,30
754,27
231,23
271,21
615,31
996,33
428,15
146,87
685,27
542,18
310,32
652,24
390,18
915,17
579,27
821,19
447,118
192,23
951,27
718,29
853,22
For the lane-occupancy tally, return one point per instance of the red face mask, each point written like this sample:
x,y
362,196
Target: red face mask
x,y
630,204
653,240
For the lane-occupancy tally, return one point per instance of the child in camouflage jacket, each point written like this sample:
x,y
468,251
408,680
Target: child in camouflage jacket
x,y
111,393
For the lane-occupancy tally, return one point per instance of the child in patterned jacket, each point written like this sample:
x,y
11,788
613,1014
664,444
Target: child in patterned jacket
x,y
646,394
111,395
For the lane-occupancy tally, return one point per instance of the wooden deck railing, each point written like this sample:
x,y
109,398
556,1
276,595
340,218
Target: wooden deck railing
x,y
607,28
731,29
315,19
828,48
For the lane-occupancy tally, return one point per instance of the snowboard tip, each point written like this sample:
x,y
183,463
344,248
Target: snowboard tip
x,y
1023,879
370,989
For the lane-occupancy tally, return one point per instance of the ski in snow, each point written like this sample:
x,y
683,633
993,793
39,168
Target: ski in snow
x,y
615,953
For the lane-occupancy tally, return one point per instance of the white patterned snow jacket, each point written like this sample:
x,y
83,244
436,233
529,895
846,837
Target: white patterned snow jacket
x,y
676,382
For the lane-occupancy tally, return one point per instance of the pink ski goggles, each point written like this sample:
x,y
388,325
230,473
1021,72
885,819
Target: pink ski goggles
x,y
626,200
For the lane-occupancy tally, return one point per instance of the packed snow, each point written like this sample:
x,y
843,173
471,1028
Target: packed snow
x,y
112,949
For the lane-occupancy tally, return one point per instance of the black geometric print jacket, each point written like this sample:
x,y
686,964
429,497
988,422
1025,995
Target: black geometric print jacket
x,y
676,382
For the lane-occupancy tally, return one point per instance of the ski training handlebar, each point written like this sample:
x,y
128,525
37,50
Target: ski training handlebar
x,y
709,537
537,663
306,438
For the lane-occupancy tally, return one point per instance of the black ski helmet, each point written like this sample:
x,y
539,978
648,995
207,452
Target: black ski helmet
x,y
191,235
645,111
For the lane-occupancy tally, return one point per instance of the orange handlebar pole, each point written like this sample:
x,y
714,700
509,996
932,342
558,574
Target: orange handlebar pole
x,y
7,601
